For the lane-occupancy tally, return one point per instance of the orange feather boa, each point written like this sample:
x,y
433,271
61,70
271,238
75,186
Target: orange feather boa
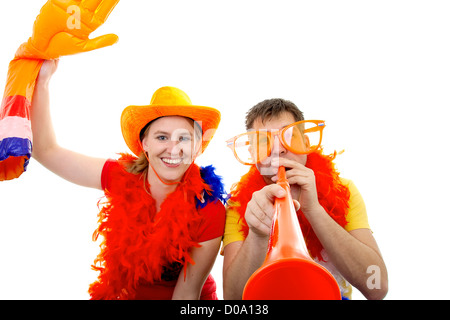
x,y
140,246
333,196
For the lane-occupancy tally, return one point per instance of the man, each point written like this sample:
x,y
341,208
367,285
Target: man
x,y
332,212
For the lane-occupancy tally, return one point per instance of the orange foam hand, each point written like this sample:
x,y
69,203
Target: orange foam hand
x,y
63,28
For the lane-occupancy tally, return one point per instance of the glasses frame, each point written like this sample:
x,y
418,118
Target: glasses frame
x,y
320,125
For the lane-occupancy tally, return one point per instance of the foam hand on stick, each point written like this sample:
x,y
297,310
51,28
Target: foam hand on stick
x,y
63,28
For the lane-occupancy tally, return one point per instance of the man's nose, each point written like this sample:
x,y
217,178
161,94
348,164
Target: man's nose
x,y
278,148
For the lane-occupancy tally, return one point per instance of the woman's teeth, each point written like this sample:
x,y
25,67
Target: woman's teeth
x,y
171,161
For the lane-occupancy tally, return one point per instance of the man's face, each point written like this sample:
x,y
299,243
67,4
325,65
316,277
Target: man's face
x,y
269,166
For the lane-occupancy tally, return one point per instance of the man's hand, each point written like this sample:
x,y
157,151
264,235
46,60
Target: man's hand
x,y
260,209
63,28
302,182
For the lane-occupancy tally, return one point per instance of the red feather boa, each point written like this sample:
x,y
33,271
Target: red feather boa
x,y
333,196
139,244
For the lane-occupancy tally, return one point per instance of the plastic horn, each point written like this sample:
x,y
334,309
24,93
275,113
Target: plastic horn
x,y
288,272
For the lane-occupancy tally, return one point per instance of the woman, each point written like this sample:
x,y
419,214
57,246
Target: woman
x,y
161,221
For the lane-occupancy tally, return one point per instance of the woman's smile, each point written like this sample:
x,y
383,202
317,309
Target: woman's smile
x,y
172,162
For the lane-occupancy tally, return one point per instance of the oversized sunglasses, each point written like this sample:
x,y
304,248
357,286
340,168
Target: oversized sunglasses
x,y
302,137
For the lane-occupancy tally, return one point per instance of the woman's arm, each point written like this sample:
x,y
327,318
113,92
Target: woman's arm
x,y
72,166
204,257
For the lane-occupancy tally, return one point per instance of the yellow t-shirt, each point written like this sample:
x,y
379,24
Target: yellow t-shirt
x,y
356,219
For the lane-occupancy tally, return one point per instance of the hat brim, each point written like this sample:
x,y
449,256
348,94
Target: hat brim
x,y
134,118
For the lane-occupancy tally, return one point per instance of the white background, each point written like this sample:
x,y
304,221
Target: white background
x,y
378,72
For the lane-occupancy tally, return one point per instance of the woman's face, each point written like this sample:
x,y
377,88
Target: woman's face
x,y
171,145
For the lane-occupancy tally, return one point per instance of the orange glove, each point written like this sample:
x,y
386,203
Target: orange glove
x,y
63,28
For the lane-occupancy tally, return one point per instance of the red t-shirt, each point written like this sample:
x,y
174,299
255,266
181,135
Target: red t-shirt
x,y
212,226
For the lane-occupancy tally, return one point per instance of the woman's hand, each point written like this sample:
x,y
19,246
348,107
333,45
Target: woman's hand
x,y
47,70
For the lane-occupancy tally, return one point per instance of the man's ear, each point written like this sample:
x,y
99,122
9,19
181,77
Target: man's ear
x,y
307,143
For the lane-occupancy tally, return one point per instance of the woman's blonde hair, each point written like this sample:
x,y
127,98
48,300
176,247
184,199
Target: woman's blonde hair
x,y
139,165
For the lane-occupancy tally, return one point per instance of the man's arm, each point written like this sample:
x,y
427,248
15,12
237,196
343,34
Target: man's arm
x,y
352,253
243,258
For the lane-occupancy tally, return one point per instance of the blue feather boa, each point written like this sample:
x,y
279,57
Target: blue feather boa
x,y
217,187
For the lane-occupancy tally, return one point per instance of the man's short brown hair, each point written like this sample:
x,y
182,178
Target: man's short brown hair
x,y
269,108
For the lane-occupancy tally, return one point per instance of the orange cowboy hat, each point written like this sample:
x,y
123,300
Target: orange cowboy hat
x,y
166,101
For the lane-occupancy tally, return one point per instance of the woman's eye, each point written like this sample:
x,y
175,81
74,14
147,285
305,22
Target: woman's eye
x,y
184,138
161,138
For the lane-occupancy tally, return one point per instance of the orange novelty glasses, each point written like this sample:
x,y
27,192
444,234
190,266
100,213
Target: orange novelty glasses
x,y
302,137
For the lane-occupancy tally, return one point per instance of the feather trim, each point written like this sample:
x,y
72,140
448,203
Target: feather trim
x,y
332,194
216,189
139,245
